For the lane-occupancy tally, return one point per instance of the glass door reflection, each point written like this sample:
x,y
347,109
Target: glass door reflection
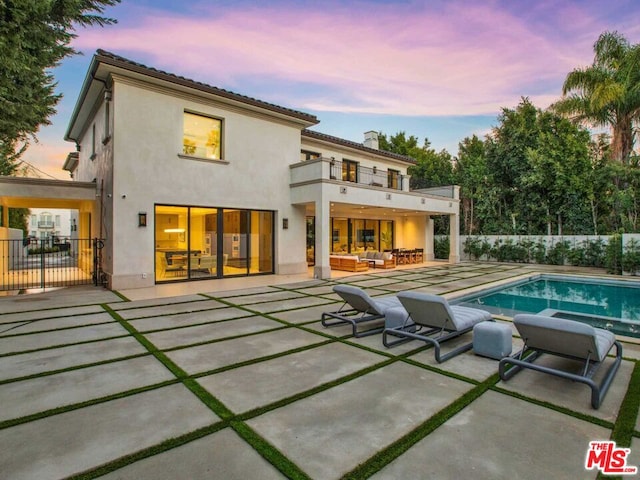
x,y
234,242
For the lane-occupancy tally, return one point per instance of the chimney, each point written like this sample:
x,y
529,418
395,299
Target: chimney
x,y
371,139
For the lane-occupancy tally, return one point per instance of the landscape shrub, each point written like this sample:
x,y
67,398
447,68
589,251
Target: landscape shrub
x,y
631,257
441,248
476,247
613,256
558,253
588,253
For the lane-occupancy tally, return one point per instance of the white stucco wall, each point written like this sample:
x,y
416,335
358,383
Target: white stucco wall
x,y
148,170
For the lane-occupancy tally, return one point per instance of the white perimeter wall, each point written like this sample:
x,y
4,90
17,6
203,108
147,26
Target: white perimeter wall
x,y
548,240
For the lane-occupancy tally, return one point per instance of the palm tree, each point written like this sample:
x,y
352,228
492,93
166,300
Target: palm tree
x,y
607,93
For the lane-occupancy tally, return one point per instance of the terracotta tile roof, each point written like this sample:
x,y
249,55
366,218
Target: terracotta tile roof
x,y
357,146
118,61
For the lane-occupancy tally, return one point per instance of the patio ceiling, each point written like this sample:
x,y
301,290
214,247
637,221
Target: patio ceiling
x,y
18,192
351,210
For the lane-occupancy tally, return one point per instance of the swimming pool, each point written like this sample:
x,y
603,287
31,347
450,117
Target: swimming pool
x,y
603,303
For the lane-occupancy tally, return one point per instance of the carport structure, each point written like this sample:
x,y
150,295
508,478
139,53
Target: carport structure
x,y
19,267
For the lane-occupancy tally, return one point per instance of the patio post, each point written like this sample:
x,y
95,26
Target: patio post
x,y
429,251
322,269
454,238
5,216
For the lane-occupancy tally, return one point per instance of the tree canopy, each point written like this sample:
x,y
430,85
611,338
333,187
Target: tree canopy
x,y
35,36
536,173
432,168
607,93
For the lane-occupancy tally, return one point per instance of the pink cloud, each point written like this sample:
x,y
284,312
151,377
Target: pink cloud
x,y
48,156
462,59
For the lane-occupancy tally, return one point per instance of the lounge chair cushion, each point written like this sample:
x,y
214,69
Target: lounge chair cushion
x,y
565,337
465,317
361,301
434,311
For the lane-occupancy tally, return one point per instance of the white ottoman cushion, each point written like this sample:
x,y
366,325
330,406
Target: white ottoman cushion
x,y
492,339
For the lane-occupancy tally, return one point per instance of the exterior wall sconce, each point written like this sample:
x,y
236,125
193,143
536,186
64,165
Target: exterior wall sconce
x,y
142,219
285,223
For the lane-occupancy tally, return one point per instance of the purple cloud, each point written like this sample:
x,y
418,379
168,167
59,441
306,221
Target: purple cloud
x,y
458,58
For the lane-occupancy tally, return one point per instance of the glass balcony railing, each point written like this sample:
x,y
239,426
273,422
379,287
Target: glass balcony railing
x,y
351,172
318,169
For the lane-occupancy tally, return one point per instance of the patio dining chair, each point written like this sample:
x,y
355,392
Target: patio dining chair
x,y
569,339
438,322
359,308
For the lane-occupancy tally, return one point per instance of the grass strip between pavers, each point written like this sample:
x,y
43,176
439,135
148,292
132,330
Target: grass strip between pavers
x,y
268,315
628,413
57,329
189,325
313,391
269,452
385,456
551,406
61,345
254,361
224,339
72,368
266,450
121,296
76,406
170,314
214,404
149,452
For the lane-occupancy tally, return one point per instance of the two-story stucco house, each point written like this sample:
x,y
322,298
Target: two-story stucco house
x,y
198,182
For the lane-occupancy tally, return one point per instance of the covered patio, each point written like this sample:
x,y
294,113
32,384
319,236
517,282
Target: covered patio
x,y
326,199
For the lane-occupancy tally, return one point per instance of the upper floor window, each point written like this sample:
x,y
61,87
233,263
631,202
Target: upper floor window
x,y
349,171
202,136
306,155
393,177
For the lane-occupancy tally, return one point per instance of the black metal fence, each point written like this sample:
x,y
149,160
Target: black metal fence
x,y
41,263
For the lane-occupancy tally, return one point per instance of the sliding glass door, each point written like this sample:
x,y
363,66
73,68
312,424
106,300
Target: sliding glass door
x,y
208,242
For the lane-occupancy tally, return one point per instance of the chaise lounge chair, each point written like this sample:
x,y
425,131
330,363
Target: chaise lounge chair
x,y
569,339
359,308
443,322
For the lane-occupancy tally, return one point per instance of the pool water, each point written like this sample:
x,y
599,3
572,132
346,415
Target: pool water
x,y
610,304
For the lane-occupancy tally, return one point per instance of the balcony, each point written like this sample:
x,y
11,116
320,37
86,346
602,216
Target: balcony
x,y
46,225
328,169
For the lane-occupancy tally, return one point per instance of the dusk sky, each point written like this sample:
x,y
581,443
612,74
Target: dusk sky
x,y
436,69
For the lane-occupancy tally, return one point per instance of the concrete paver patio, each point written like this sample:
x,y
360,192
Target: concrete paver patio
x,y
247,384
